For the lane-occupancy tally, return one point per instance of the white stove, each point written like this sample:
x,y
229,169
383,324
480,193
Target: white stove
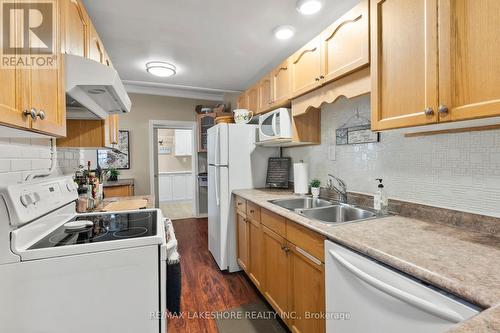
x,y
61,271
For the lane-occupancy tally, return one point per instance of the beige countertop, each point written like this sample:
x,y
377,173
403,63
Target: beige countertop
x,y
459,261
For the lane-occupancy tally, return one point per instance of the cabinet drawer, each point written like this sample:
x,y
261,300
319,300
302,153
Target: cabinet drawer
x,y
273,221
253,211
308,240
241,204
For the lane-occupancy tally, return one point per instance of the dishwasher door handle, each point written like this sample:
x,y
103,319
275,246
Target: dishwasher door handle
x,y
403,296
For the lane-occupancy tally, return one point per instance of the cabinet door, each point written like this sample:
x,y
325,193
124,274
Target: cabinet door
x,y
205,121
252,98
11,110
255,253
242,101
242,229
307,292
345,44
76,30
45,88
276,279
306,68
96,50
403,63
265,94
281,81
469,48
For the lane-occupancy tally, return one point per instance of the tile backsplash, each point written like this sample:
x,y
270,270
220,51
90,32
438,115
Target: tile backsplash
x,y
19,157
457,171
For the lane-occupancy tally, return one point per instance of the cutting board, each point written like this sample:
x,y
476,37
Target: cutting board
x,y
126,205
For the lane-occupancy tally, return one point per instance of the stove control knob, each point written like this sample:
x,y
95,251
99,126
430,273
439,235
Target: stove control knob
x,y
26,200
36,197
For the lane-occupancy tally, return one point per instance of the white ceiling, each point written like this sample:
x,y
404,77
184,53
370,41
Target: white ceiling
x,y
217,45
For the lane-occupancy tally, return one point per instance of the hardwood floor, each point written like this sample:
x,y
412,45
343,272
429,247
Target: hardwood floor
x,y
204,286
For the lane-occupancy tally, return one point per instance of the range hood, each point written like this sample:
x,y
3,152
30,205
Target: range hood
x,y
93,90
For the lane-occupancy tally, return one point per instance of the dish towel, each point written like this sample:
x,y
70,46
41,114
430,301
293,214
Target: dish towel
x,y
173,270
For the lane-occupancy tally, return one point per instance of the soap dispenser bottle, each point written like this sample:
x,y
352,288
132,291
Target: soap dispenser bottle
x,y
380,201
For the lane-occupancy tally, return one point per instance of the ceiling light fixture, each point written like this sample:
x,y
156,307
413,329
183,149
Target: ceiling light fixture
x,y
161,68
284,32
309,7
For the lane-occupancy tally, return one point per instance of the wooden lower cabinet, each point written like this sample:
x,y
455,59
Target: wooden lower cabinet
x,y
255,249
290,276
307,294
242,230
118,191
275,271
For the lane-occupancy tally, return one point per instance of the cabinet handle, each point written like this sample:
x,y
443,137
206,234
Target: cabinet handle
x,y
429,111
285,248
31,113
321,76
239,203
443,109
252,211
41,115
317,79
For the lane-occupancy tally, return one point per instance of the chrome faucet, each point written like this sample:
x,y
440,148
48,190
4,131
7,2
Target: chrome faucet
x,y
342,191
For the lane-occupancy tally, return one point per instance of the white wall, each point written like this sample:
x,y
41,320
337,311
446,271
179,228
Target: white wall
x,y
457,171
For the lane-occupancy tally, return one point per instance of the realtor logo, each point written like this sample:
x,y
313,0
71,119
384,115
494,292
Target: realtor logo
x,y
27,37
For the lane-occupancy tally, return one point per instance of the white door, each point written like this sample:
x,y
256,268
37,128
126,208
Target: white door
x,y
368,297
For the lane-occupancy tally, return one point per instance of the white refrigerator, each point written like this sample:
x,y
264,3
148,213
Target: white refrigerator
x,y
234,162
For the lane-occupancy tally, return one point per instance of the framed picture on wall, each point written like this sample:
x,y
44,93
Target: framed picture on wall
x,y
118,158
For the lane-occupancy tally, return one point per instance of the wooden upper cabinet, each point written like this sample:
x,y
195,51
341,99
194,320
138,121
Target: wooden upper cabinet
x,y
306,68
11,110
469,49
345,44
265,93
241,103
281,81
76,28
96,50
252,98
404,63
45,90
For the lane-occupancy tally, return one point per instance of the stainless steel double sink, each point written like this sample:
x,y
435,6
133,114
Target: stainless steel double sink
x,y
325,211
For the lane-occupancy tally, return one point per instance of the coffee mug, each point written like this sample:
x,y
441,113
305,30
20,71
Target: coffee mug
x,y
242,116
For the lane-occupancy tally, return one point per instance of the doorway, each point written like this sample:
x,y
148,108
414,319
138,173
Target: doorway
x,y
174,171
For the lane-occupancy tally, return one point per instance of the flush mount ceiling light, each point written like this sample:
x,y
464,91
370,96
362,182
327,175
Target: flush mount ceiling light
x,y
309,7
284,32
160,68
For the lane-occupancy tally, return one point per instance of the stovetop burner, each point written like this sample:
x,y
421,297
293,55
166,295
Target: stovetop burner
x,y
130,232
106,227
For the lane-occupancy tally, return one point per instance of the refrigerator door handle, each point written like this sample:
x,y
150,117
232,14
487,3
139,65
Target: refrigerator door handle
x,y
403,296
217,199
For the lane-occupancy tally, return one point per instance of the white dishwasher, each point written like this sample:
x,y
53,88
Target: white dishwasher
x,y
363,295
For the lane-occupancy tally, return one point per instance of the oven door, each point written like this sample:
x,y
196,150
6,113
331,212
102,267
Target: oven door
x,y
275,125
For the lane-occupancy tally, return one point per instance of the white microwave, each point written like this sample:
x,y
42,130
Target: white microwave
x,y
276,125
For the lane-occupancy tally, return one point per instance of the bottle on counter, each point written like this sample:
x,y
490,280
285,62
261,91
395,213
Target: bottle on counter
x,y
380,200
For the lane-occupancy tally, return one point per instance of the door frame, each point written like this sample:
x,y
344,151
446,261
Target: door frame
x,y
153,160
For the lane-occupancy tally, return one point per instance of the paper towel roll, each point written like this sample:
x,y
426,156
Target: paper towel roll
x,y
300,178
